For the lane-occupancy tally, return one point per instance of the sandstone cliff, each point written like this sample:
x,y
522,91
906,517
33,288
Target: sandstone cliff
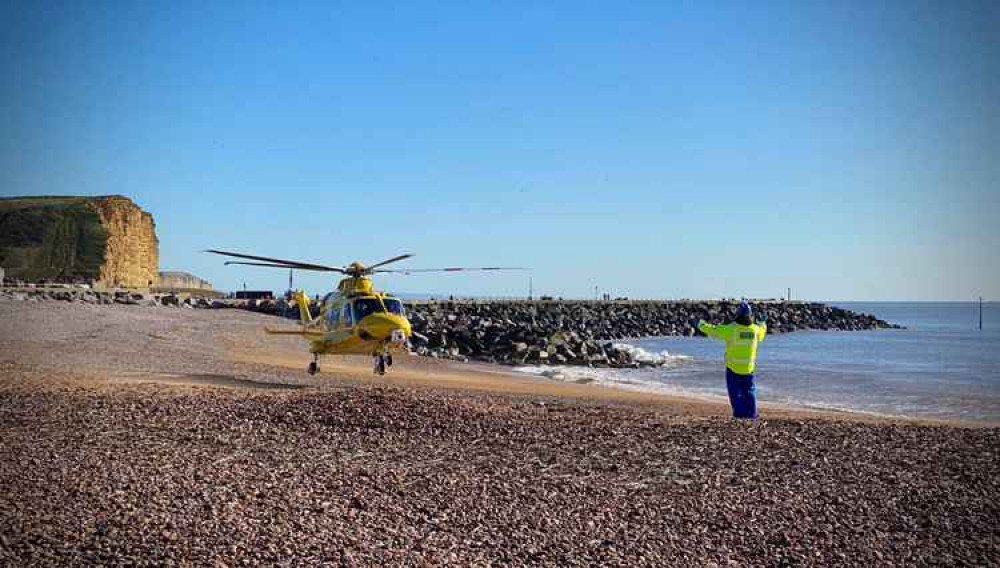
x,y
132,253
177,280
107,239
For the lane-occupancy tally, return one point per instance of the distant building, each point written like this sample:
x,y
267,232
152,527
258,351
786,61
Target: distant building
x,y
253,295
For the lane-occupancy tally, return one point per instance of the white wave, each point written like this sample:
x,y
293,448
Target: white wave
x,y
641,380
659,358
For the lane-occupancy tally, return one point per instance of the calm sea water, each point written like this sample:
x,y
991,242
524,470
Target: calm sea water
x,y
941,366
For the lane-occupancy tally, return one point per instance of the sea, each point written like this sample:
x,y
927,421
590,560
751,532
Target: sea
x,y
940,366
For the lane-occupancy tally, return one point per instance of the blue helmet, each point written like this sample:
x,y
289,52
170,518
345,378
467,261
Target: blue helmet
x,y
744,311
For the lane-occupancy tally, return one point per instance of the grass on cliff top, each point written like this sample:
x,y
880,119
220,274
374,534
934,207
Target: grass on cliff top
x,y
58,201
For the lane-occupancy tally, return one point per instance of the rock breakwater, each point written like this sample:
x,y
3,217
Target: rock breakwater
x,y
581,332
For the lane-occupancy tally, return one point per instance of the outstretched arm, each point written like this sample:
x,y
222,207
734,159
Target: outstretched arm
x,y
710,330
762,327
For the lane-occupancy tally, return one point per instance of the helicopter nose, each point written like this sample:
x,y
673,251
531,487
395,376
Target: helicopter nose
x,y
381,326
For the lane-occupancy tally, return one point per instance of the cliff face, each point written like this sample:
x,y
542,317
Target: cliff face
x,y
107,239
176,280
132,253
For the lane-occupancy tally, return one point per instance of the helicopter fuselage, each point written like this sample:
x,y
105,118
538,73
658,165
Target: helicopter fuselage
x,y
355,320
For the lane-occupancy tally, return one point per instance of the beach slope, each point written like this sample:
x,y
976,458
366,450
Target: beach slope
x,y
158,434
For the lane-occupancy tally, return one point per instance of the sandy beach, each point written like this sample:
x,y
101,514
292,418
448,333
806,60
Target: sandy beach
x,y
134,434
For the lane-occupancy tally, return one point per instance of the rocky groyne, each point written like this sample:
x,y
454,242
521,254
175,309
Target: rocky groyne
x,y
582,332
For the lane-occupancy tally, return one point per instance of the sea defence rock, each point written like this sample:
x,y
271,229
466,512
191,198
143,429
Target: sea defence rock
x,y
582,332
68,293
106,240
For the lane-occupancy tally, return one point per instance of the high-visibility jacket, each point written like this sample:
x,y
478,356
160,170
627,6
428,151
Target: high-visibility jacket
x,y
741,343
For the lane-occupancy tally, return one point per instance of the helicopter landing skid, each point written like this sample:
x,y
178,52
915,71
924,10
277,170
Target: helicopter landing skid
x,y
383,360
314,365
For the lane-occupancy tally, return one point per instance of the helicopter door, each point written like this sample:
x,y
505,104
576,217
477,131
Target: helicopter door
x,y
347,317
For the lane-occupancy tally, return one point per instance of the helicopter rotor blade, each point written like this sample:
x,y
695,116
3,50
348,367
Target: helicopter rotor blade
x,y
283,263
391,260
452,269
228,262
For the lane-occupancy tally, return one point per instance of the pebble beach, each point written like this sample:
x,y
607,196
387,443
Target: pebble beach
x,y
149,436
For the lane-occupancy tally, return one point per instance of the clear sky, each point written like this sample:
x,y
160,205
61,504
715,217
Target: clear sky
x,y
849,150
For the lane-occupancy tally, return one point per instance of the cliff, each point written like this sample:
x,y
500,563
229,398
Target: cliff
x,y
176,280
106,239
132,254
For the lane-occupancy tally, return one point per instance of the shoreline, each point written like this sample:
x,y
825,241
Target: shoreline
x,y
429,373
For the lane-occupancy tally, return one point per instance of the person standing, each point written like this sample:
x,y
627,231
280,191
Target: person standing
x,y
741,337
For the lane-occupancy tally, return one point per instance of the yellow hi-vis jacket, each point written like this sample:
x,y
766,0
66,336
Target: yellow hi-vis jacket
x,y
741,343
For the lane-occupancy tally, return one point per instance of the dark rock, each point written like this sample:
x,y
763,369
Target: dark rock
x,y
572,332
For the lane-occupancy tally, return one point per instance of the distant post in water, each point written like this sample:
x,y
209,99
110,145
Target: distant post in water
x,y
980,313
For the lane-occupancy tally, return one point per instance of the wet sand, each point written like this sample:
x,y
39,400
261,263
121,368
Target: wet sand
x,y
153,435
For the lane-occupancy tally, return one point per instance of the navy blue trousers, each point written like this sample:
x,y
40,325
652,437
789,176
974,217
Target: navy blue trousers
x,y
742,394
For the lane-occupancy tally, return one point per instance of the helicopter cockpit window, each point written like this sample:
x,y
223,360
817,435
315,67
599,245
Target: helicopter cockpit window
x,y
365,306
333,316
347,315
393,306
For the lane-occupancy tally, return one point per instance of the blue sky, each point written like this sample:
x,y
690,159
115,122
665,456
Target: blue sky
x,y
849,150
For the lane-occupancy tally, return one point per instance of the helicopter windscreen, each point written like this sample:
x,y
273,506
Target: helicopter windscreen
x,y
393,305
367,306
364,307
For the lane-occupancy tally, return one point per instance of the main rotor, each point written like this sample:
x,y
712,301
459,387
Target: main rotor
x,y
353,270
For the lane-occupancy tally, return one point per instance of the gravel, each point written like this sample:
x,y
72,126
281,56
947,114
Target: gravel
x,y
99,472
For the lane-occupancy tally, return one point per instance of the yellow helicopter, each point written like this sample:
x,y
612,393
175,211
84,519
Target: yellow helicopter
x,y
355,319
